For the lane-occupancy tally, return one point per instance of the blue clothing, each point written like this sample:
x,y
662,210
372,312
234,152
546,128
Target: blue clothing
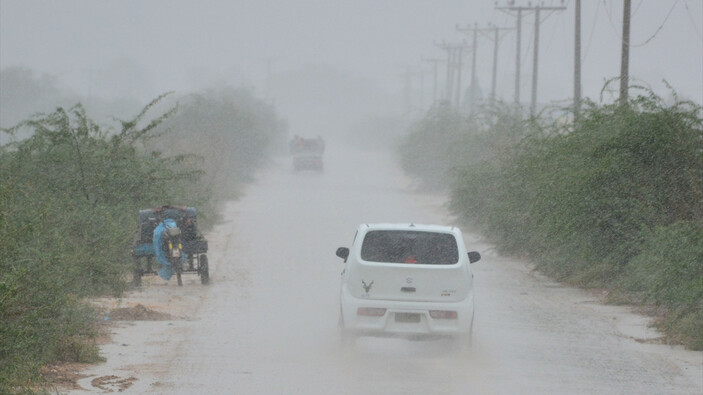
x,y
166,271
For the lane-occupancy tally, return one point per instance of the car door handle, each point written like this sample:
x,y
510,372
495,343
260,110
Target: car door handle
x,y
407,289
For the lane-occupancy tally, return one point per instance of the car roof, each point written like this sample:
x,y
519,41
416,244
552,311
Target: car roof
x,y
409,227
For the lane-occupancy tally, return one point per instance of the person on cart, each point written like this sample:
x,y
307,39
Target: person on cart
x,y
166,270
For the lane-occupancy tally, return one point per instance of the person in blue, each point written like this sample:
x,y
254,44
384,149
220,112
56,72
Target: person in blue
x,y
166,270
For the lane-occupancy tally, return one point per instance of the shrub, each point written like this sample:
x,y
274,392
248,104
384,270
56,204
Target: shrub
x,y
588,201
69,199
668,272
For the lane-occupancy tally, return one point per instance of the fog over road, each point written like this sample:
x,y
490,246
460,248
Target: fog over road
x,y
268,322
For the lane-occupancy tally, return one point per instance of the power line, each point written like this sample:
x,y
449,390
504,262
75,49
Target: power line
x,y
554,31
660,26
637,8
693,23
593,29
435,63
518,42
493,33
455,55
610,19
535,56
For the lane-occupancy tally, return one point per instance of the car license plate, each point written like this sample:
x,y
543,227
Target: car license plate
x,y
407,317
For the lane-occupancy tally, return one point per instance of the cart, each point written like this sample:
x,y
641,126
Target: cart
x,y
194,244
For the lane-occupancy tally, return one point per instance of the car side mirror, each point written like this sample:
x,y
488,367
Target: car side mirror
x,y
343,252
474,256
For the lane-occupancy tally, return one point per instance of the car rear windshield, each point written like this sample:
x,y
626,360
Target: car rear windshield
x,y
410,247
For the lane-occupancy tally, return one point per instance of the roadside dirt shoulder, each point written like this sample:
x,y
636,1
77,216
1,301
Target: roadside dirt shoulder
x,y
138,329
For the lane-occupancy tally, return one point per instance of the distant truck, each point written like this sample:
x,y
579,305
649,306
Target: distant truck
x,y
307,153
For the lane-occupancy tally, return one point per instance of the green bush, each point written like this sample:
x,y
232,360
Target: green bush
x,y
585,200
230,132
444,141
592,190
668,272
69,198
429,149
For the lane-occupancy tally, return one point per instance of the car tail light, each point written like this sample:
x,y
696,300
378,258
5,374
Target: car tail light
x,y
371,311
443,314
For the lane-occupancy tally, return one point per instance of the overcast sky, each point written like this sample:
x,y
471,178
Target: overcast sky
x,y
182,44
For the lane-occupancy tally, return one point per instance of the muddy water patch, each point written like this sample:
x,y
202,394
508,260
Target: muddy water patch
x,y
138,313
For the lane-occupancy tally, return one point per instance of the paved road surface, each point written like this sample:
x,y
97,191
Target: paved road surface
x,y
267,323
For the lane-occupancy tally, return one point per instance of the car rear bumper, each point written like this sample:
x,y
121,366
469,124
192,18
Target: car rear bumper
x,y
406,318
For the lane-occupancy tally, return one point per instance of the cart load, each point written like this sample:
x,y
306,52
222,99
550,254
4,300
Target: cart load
x,y
181,243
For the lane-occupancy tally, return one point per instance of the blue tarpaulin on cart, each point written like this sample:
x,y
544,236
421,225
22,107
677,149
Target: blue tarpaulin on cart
x,y
166,271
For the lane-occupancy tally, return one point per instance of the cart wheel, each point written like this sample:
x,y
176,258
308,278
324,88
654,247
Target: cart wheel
x,y
137,274
177,265
203,269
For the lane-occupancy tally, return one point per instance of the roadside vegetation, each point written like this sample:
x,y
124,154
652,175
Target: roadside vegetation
x,y
69,197
613,200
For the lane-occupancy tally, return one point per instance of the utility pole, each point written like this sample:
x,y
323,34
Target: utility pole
x,y
577,59
625,53
495,30
535,61
517,56
472,97
454,64
422,89
459,66
407,91
474,46
448,80
518,27
495,62
450,75
435,63
496,42
411,90
268,89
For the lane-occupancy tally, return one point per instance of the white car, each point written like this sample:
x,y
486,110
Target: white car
x,y
407,280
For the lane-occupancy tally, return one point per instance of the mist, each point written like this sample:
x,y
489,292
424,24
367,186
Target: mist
x,y
328,65
236,81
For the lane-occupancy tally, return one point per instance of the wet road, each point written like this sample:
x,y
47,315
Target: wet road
x,y
268,322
